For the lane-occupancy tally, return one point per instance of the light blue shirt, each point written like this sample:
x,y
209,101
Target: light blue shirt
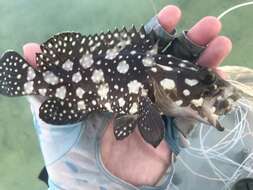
x,y
72,155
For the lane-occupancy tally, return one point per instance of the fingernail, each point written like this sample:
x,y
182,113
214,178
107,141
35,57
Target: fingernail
x,y
30,50
169,16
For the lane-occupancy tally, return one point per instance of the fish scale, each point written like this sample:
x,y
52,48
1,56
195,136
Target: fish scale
x,y
122,72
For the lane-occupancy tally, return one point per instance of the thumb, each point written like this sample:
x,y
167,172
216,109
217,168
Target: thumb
x,y
30,50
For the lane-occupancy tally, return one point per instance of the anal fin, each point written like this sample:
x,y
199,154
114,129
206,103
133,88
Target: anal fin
x,y
124,126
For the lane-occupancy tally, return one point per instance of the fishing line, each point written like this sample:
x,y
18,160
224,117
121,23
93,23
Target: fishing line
x,y
233,8
217,152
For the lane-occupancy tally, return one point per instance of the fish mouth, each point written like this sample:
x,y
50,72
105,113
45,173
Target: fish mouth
x,y
222,103
225,101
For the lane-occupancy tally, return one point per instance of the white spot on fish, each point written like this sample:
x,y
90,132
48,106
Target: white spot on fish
x,y
191,82
197,102
28,87
94,102
30,74
179,102
86,61
98,76
148,62
144,92
134,108
50,78
186,92
112,53
133,52
108,106
154,69
167,84
77,77
24,66
93,48
68,65
116,87
103,91
122,44
122,67
121,102
61,92
81,105
90,43
182,65
42,91
80,92
134,86
19,76
165,68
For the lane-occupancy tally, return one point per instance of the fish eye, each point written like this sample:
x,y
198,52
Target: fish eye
x,y
207,77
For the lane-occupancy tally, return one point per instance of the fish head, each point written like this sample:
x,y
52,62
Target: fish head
x,y
193,92
220,96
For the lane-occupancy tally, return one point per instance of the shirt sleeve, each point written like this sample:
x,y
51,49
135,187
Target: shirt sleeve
x,y
55,140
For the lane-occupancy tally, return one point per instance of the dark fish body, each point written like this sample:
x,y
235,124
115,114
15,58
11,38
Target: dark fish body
x,y
121,72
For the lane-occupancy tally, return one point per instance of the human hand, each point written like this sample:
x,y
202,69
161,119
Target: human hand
x,y
132,159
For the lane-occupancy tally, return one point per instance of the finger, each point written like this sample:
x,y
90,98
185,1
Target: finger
x,y
205,30
221,73
30,50
216,52
169,16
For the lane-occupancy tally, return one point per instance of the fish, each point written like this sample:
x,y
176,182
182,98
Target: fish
x,y
123,72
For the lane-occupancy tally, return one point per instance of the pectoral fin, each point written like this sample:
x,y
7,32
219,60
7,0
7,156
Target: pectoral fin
x,y
124,126
148,120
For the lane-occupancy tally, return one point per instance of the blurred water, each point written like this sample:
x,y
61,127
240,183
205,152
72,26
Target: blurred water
x,y
24,21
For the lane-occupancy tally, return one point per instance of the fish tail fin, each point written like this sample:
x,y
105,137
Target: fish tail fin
x,y
16,75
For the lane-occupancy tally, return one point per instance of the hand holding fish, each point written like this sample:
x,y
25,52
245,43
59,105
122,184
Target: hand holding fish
x,y
136,108
203,33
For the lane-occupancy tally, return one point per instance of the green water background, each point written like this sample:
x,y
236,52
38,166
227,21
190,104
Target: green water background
x,y
23,21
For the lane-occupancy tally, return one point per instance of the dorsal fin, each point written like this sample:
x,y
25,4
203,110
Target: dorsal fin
x,y
73,46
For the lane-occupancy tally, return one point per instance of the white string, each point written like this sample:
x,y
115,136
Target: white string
x,y
233,8
217,153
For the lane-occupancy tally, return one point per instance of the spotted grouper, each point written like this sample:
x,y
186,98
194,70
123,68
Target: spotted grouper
x,y
120,72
